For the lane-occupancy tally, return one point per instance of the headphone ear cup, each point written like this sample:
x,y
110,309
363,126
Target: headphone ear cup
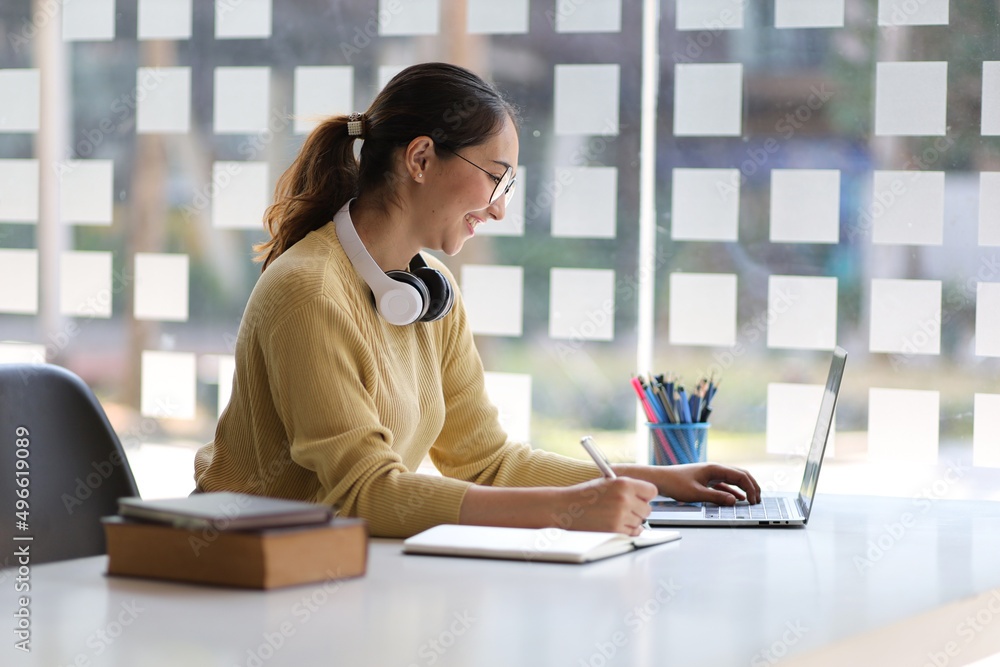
x,y
442,296
418,284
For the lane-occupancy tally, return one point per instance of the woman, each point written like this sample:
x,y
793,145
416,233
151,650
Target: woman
x,y
337,401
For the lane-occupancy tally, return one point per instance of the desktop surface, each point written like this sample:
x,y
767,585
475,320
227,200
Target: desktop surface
x,y
719,596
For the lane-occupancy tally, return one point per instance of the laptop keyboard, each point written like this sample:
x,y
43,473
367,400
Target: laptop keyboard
x,y
771,509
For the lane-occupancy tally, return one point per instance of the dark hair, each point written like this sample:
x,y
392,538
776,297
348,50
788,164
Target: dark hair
x,y
449,104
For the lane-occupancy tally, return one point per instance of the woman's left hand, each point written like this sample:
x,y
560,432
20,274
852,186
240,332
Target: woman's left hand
x,y
698,482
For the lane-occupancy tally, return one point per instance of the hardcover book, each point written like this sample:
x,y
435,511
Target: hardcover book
x,y
264,558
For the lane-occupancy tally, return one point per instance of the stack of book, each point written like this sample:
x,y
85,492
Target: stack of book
x,y
232,539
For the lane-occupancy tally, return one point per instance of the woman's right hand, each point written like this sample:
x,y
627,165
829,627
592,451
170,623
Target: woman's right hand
x,y
617,505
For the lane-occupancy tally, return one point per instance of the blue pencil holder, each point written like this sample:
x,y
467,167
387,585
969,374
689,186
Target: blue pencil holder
x,y
673,444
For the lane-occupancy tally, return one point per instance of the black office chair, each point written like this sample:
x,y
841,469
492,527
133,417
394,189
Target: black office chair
x,y
62,466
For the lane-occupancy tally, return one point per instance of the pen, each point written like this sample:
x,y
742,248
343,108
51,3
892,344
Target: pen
x,y
602,463
596,454
695,407
685,407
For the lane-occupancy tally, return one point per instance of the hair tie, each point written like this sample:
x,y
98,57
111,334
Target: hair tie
x,y
355,124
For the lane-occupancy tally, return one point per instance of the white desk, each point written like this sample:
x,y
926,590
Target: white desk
x,y
717,597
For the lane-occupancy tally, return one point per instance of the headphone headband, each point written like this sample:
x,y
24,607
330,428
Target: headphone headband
x,y
398,302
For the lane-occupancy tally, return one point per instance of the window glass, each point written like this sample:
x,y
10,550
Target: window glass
x,y
826,173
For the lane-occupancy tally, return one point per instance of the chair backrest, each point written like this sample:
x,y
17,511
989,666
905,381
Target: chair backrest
x,y
62,466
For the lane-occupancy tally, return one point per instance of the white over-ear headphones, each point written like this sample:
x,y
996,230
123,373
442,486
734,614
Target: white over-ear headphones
x,y
401,297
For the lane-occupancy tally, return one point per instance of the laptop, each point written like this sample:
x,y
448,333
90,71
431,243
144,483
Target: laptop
x,y
775,509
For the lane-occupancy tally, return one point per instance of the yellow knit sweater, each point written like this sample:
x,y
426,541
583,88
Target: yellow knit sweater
x,y
332,404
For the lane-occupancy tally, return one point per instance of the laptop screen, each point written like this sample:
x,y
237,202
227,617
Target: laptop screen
x,y
822,432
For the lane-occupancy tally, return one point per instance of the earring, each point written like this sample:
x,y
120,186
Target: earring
x,y
420,175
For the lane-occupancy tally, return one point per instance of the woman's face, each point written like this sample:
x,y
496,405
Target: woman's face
x,y
458,194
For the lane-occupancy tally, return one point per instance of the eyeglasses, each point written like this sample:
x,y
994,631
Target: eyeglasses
x,y
504,184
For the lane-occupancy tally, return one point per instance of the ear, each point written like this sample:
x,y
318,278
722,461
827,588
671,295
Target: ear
x,y
419,154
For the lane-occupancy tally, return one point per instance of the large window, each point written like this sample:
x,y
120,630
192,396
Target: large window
x,y
708,187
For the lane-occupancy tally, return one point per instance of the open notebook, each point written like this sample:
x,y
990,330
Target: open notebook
x,y
530,544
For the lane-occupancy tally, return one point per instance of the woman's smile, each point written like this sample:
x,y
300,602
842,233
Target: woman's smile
x,y
472,222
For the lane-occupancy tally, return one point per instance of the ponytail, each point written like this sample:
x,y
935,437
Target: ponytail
x,y
319,182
